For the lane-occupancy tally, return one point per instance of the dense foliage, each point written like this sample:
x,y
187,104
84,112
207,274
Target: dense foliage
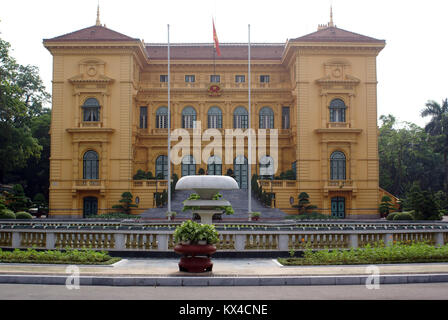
x,y
412,164
395,253
193,232
69,256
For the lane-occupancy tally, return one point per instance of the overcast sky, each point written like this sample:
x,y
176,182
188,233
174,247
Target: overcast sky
x,y
412,69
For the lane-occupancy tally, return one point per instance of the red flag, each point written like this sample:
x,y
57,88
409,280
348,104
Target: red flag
x,y
215,39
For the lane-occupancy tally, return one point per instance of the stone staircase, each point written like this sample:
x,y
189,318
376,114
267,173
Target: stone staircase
x,y
238,199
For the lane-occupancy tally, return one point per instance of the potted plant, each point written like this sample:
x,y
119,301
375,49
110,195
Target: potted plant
x,y
255,216
195,242
171,215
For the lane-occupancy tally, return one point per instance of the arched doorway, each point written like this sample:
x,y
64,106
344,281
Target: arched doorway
x,y
241,170
90,207
338,207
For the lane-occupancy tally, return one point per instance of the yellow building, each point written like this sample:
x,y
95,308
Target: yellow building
x,y
109,116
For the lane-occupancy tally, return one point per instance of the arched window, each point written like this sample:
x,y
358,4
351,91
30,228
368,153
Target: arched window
x,y
337,166
188,117
162,118
188,166
91,110
214,166
266,118
90,166
214,116
267,167
162,167
337,110
240,118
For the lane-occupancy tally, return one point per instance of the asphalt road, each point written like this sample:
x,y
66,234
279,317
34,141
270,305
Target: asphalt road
x,y
425,291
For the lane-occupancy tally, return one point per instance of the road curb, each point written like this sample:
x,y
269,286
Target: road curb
x,y
222,281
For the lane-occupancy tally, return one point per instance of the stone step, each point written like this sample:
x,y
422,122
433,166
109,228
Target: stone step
x,y
237,198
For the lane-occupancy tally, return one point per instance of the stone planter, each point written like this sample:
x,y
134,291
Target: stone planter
x,y
195,257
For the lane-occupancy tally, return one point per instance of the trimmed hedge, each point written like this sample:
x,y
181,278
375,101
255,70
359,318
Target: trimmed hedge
x,y
23,215
403,216
69,256
7,214
397,253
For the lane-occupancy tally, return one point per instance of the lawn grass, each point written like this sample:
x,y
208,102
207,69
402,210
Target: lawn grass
x,y
69,256
379,254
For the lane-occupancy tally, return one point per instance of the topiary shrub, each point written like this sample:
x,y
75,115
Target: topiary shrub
x,y
391,216
23,215
404,216
7,214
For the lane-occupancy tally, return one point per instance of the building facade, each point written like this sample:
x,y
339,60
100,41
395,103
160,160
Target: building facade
x,y
313,96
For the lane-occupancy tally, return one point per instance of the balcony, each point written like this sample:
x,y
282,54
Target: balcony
x,y
152,184
339,185
91,124
88,184
332,125
275,185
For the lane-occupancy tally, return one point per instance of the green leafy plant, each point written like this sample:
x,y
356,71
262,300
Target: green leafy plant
x,y
228,210
193,232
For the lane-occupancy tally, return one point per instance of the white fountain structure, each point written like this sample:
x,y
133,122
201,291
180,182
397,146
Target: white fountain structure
x,y
206,187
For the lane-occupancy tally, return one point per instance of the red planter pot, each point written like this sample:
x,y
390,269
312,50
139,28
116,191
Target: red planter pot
x,y
195,258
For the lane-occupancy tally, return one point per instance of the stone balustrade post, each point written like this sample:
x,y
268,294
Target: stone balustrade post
x,y
353,240
283,242
50,241
16,237
240,242
162,242
388,239
120,241
439,239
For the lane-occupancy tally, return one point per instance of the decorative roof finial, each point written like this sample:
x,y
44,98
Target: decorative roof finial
x,y
98,23
331,24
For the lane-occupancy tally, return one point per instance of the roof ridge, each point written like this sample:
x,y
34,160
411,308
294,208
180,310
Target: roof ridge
x,y
83,36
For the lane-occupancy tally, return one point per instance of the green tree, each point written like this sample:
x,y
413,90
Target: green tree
x,y
385,206
407,154
437,127
422,202
126,204
18,201
304,205
22,96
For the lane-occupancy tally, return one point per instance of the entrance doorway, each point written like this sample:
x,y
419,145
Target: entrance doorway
x,y
90,206
240,171
338,207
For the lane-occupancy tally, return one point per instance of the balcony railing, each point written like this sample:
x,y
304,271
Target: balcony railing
x,y
277,184
89,184
340,183
338,125
91,124
159,184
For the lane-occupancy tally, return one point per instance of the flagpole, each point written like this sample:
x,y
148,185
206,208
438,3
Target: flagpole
x,y
169,123
249,142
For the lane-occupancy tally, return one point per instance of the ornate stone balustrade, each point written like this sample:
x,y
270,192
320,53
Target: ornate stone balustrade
x,y
237,238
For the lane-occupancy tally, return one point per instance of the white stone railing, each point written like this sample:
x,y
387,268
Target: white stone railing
x,y
112,237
